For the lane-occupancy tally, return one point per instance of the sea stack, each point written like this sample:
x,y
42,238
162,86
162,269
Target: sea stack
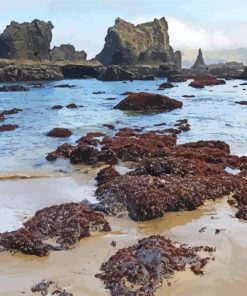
x,y
144,44
199,63
26,41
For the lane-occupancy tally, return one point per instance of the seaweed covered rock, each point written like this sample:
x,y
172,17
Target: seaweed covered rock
x,y
66,224
145,102
140,269
8,127
206,80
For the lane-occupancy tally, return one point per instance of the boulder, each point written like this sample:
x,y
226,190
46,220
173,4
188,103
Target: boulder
x,y
206,80
115,73
146,43
67,52
8,127
166,85
147,101
59,133
81,71
26,40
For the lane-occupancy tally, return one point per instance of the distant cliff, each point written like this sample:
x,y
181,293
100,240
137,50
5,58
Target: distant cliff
x,y
26,40
148,43
67,52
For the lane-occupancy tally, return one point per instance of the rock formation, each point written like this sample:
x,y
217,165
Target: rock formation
x,y
115,73
67,52
26,40
148,43
199,63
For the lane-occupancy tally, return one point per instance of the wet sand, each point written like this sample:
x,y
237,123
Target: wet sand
x,y
74,270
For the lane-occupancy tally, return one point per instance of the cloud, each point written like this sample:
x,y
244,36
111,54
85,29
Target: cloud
x,y
184,35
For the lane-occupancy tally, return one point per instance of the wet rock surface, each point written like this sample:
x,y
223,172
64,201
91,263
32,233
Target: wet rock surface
x,y
146,101
206,80
59,132
66,224
166,85
141,268
8,127
46,288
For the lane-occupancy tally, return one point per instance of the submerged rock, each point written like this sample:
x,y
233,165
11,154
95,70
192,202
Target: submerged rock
x,y
146,101
8,88
59,132
26,40
8,127
140,269
66,224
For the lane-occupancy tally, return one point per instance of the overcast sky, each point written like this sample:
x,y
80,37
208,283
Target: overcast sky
x,y
210,24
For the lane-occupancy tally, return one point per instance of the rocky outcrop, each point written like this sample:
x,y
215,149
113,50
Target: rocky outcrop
x,y
199,65
26,40
65,224
19,72
148,43
67,52
115,73
145,101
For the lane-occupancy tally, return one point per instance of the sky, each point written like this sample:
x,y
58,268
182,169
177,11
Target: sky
x,y
209,24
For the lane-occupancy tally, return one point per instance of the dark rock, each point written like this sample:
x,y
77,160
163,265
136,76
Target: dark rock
x,y
66,223
166,85
241,102
26,41
65,86
81,71
98,92
176,78
57,107
146,43
11,111
59,133
140,269
115,73
8,127
7,88
72,106
106,175
145,101
188,96
67,52
110,126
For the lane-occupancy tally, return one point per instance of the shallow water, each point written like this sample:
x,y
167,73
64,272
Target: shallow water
x,y
28,183
212,115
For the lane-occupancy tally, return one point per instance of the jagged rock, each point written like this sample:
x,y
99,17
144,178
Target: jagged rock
x,y
146,101
199,65
116,73
67,52
27,72
146,43
26,40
